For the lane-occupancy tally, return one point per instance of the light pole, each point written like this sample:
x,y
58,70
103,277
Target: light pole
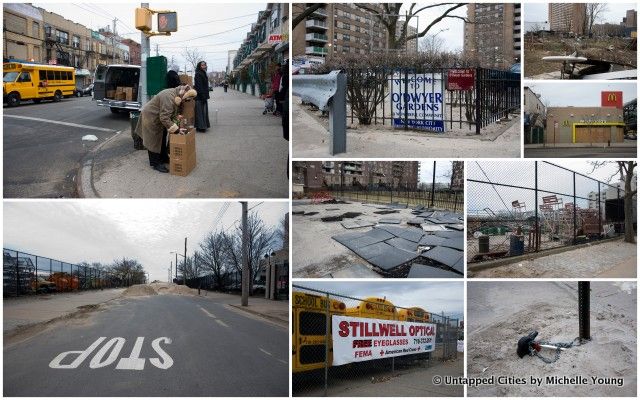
x,y
178,254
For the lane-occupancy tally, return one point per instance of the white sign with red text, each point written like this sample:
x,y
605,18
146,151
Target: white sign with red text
x,y
363,339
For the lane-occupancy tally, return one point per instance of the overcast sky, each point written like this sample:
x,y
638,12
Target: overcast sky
x,y
194,21
538,13
521,173
580,94
436,297
103,230
443,171
451,30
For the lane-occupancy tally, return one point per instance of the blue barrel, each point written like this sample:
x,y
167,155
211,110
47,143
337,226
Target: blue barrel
x,y
516,247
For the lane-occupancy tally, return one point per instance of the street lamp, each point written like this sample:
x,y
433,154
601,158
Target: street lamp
x,y
178,254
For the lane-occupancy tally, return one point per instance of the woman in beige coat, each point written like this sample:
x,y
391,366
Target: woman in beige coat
x,y
156,119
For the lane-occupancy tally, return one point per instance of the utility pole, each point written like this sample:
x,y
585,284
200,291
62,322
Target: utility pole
x,y
245,256
113,42
176,267
170,268
145,48
184,265
157,52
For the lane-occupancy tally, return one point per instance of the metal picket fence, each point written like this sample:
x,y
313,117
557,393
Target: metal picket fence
x,y
518,207
25,274
312,347
492,95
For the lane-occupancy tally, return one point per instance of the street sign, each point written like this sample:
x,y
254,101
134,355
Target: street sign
x,y
418,98
167,22
363,339
461,79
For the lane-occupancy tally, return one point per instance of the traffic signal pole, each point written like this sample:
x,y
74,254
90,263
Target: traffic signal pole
x,y
145,51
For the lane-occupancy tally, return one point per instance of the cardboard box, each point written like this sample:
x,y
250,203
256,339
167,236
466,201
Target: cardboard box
x,y
120,96
128,91
189,111
186,80
111,94
182,153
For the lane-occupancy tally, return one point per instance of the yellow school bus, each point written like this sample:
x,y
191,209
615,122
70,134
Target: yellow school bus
x,y
36,82
310,330
414,314
374,307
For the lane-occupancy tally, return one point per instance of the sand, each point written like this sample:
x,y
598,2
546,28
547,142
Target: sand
x,y
139,290
499,313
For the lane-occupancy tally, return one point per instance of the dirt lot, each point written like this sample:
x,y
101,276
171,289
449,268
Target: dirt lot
x,y
499,313
535,49
615,259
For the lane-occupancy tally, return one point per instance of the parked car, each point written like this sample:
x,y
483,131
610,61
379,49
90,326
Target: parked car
x,y
88,90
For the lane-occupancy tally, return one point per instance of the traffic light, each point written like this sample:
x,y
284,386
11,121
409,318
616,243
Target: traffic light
x,y
167,22
143,19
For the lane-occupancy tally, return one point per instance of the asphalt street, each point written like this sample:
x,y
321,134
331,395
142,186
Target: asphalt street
x,y
43,144
582,152
165,345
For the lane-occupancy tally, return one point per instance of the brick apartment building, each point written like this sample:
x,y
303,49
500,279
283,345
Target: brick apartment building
x,y
492,35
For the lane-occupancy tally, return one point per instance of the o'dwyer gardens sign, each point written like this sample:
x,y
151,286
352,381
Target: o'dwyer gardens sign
x,y
419,99
363,339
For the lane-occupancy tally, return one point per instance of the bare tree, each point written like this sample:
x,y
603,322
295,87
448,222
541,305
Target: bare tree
x,y
302,10
261,238
193,57
594,13
283,232
432,45
625,172
128,271
172,65
389,14
214,257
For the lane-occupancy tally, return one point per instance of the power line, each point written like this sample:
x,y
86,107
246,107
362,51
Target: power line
x,y
218,44
219,20
212,34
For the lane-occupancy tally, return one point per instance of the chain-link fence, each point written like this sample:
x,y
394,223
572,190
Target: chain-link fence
x,y
522,207
314,370
446,199
275,286
25,273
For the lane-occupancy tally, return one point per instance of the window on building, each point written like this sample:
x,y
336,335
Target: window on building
x,y
346,38
346,26
62,36
14,23
275,16
76,42
35,30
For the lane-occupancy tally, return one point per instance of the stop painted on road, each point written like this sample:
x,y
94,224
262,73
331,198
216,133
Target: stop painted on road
x,y
109,353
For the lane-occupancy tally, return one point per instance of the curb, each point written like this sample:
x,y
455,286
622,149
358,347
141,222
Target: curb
x,y
267,316
84,183
510,260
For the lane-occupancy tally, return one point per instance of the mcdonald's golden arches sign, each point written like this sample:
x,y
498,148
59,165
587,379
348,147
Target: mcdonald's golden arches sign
x,y
612,99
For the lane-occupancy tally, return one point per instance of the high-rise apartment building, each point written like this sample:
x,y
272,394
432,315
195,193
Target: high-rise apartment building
x,y
337,29
492,35
568,17
396,174
631,19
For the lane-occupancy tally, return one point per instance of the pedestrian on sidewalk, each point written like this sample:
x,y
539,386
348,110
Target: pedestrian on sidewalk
x,y
202,100
226,85
156,116
276,79
172,81
284,94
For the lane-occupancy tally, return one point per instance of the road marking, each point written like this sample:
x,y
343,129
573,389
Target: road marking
x,y
207,312
265,352
222,323
95,128
110,352
282,361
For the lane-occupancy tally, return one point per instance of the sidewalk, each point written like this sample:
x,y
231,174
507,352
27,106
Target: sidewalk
x,y
628,143
30,310
276,311
311,139
243,154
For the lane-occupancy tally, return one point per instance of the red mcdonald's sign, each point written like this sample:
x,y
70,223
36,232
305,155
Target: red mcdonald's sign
x,y
612,99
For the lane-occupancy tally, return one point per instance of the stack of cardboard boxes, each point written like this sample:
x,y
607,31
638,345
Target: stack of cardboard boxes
x,y
123,93
182,144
